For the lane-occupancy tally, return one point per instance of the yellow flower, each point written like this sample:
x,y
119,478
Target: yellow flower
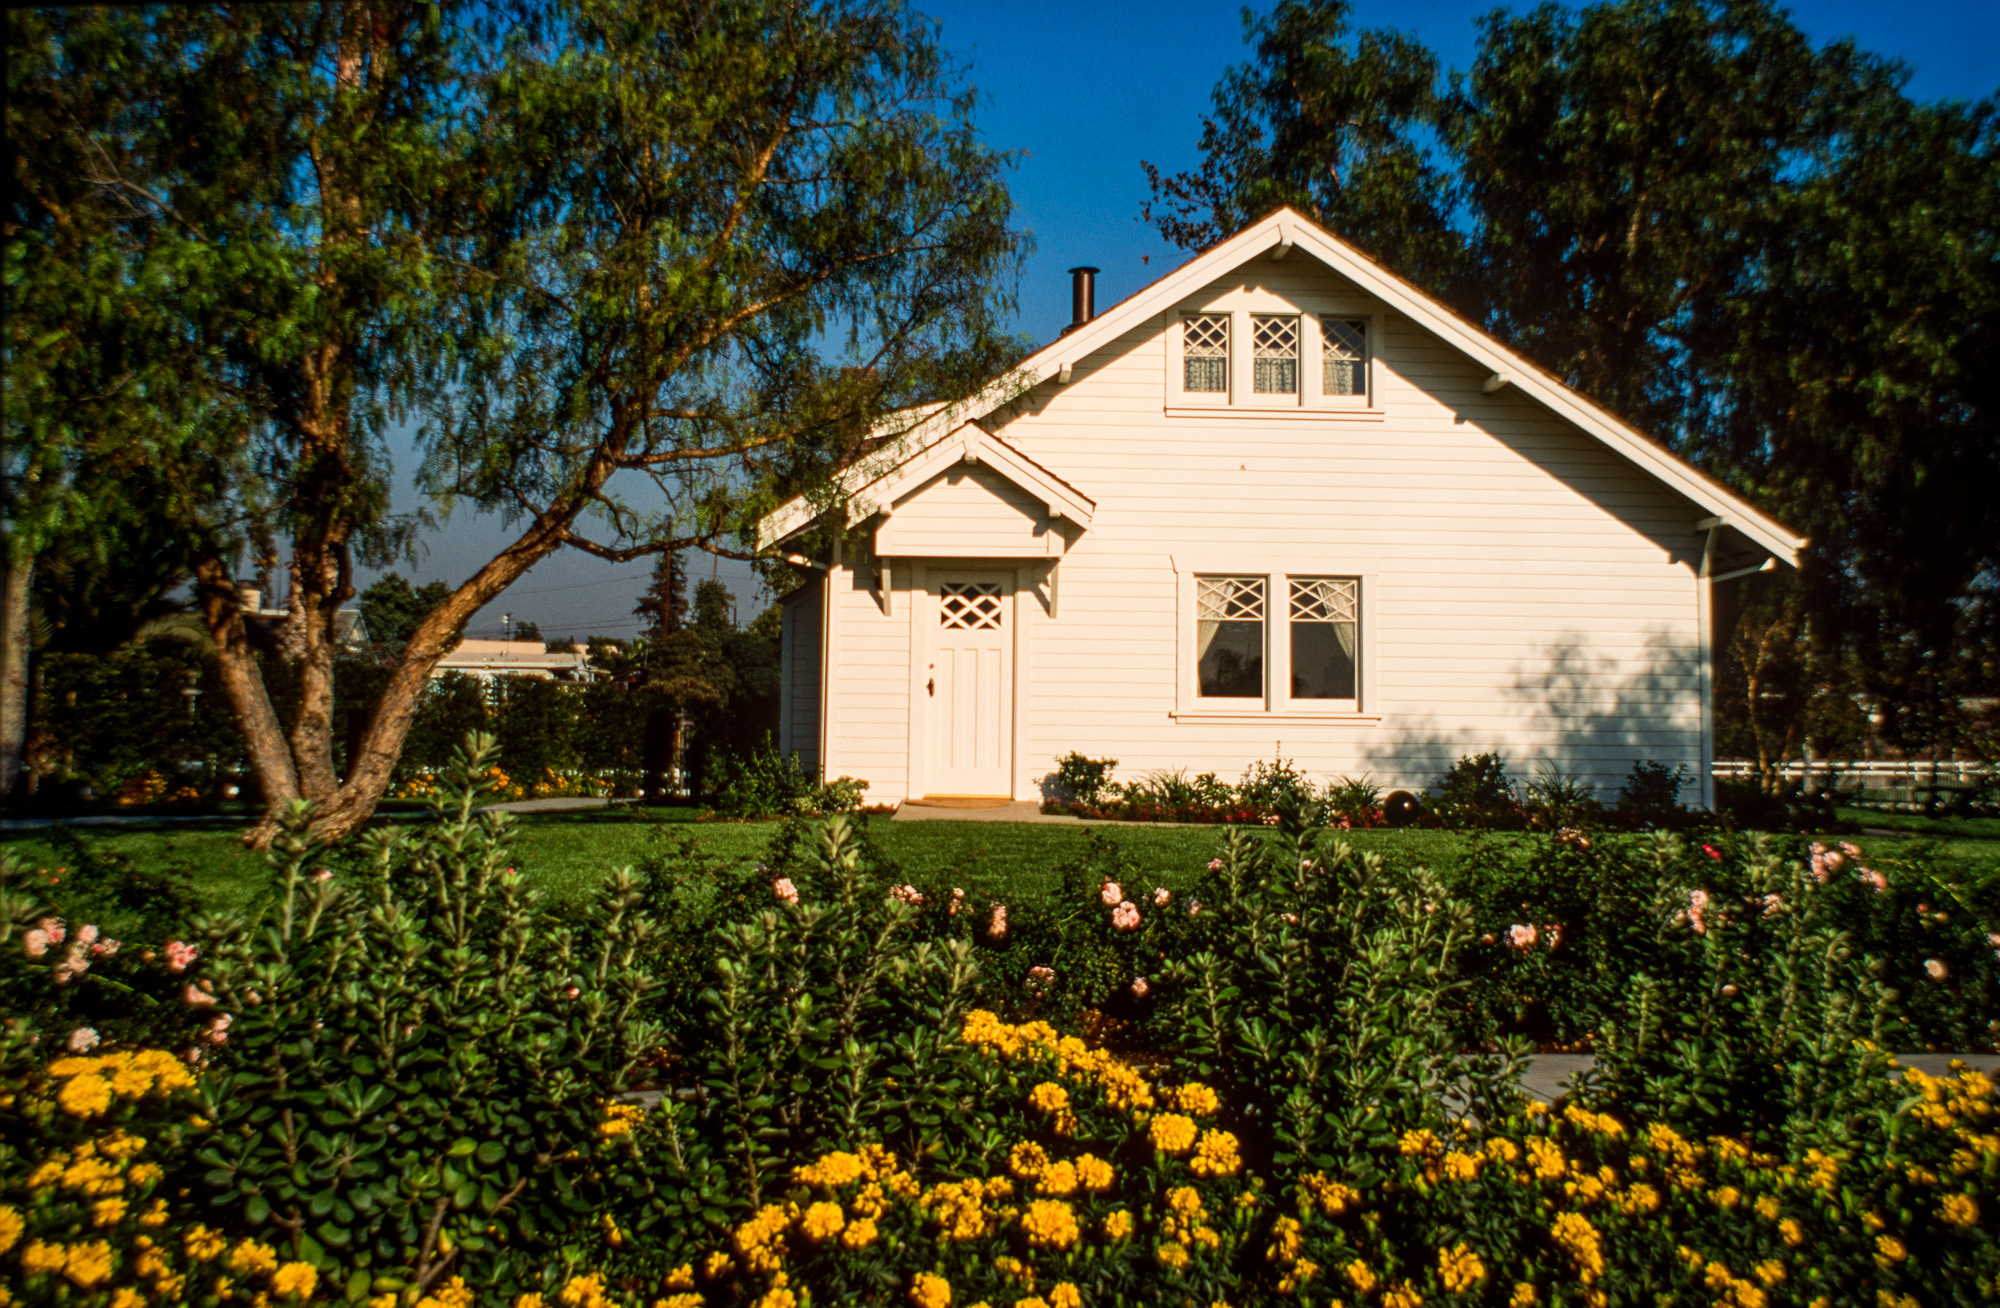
x,y
145,1173
1065,1295
1770,1271
685,1300
1287,1243
1791,1233
1403,1296
578,1292
1359,1276
1956,1210
1172,1133
1420,1144
520,1301
1118,1225
1889,1250
1524,1295
1767,1207
41,1256
1459,1268
1171,1256
85,1096
89,1264
1048,1097
859,1234
930,1291
1196,1098
1027,1160
295,1280
1579,1239
717,1264
1215,1156
1093,1173
1545,1159
203,1245
681,1278
107,1212
832,1170
252,1258
1502,1150
1059,1180
776,1297
1333,1197
1050,1224
11,1227
1727,1197
619,1119
822,1222
1460,1167
124,1297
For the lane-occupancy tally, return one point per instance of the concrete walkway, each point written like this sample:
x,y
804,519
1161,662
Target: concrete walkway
x,y
1025,810
1548,1076
569,805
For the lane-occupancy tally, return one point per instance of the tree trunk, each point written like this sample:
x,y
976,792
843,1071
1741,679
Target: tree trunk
x,y
19,565
249,699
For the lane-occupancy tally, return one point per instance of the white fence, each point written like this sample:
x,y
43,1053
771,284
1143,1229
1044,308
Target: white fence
x,y
1906,781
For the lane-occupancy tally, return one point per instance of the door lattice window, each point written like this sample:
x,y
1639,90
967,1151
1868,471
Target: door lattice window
x,y
1344,356
1229,599
969,606
1323,599
1275,347
1205,353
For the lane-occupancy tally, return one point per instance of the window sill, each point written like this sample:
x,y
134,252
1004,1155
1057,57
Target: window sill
x,y
1291,414
1257,716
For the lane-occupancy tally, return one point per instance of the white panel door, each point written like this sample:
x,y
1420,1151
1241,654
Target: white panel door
x,y
969,687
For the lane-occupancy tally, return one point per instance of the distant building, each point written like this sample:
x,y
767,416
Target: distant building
x,y
487,659
269,629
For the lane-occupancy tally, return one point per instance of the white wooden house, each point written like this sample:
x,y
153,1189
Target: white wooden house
x,y
1278,502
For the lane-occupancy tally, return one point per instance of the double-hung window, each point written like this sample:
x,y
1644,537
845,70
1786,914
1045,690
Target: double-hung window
x,y
1276,641
1292,361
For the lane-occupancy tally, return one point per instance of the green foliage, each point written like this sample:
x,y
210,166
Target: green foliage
x,y
1354,802
1085,780
104,720
535,724
453,707
1557,800
1274,786
392,608
767,783
1476,790
1651,795
1314,995
404,1055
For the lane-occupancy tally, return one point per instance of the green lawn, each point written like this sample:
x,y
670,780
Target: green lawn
x,y
567,853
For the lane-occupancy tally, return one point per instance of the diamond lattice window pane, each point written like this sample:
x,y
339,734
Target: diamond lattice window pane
x,y
1275,349
969,606
1344,356
1205,353
1323,599
1229,599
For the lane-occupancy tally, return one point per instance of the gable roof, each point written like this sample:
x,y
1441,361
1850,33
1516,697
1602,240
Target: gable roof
x,y
971,443
1289,230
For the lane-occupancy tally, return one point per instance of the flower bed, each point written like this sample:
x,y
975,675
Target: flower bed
x,y
404,1085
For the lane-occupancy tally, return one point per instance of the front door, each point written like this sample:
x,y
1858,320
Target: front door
x,y
968,695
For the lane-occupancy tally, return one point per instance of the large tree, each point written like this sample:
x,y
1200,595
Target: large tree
x,y
700,246
1760,251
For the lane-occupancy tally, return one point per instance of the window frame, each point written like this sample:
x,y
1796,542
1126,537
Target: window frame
x,y
1242,306
1277,569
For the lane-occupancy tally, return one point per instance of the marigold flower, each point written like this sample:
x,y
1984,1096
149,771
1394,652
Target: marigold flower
x,y
930,1291
1574,1234
1770,1271
685,1299
1956,1210
1461,1166
1093,1173
107,1212
1058,1180
11,1227
88,1264
1171,1133
295,1280
252,1258
1545,1159
1048,1097
1404,1295
832,1170
41,1257
1459,1268
1196,1098
203,1245
1889,1250
1065,1295
1027,1160
85,1096
1359,1276
822,1222
1215,1156
1172,1255
1333,1197
1727,1197
1524,1295
1118,1225
859,1234
1050,1224
1419,1144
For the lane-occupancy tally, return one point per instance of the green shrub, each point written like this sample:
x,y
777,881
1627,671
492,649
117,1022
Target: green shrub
x,y
1268,787
402,1058
1085,781
1354,802
1476,791
1558,800
1651,795
766,783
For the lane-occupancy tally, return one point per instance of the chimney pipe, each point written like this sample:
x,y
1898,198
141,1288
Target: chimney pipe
x,y
1082,296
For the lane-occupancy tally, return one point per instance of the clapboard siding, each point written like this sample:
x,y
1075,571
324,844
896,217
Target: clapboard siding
x,y
799,679
1526,589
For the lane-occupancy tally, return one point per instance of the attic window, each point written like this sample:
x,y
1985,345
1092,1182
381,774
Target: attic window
x,y
1275,347
1205,353
1343,356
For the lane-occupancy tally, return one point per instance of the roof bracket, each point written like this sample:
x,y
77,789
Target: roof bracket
x,y
1284,245
1063,373
1499,381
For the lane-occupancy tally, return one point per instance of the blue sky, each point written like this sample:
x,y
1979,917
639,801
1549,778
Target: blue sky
x,y
1087,92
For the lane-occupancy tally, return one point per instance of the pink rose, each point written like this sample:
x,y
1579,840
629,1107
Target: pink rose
x,y
1521,937
1125,917
1554,932
1111,894
1834,858
1773,904
1215,865
198,994
36,942
1139,987
908,894
1194,908
1850,849
1936,968
54,928
1697,906
326,874
785,890
218,1028
997,927
106,947
179,955
1868,876
1162,896
86,934
83,1040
